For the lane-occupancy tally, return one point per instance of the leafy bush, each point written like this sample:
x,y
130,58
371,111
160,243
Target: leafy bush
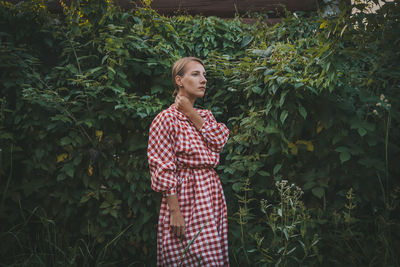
x,y
310,99
317,115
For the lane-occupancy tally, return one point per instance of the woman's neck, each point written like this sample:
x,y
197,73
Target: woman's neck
x,y
191,99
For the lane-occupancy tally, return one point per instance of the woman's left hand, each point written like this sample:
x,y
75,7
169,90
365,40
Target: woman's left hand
x,y
183,104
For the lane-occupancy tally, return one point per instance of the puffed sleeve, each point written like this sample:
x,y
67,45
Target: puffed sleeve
x,y
215,134
161,155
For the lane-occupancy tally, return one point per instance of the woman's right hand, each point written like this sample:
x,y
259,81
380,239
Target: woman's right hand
x,y
177,224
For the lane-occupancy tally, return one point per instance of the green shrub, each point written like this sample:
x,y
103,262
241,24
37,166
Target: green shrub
x,y
310,100
316,114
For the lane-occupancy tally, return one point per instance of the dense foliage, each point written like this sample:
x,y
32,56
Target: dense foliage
x,y
310,171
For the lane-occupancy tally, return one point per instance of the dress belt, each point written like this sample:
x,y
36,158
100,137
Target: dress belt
x,y
204,167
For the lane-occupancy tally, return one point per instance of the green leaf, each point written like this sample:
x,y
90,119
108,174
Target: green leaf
x,y
268,108
88,122
91,71
285,233
256,89
302,111
61,177
237,187
269,72
273,88
277,168
318,192
297,85
309,185
156,89
284,115
247,39
344,156
6,136
77,160
72,69
283,97
342,149
114,213
281,80
263,53
61,117
105,205
68,169
264,173
302,245
66,141
290,251
270,129
104,59
361,131
84,198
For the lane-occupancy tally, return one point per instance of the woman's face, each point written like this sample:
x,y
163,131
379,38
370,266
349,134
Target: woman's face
x,y
193,81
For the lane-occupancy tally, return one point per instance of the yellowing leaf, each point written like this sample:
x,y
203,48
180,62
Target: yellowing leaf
x,y
62,157
319,127
90,170
310,146
129,214
99,135
147,3
323,25
291,145
235,129
100,239
344,28
294,150
301,142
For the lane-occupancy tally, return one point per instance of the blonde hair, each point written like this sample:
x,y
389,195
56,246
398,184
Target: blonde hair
x,y
179,69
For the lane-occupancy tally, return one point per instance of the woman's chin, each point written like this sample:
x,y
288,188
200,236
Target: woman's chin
x,y
197,95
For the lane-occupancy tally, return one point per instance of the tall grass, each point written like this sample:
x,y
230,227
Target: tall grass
x,y
38,241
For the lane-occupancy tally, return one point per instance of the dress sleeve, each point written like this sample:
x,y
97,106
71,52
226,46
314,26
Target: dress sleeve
x,y
215,134
161,155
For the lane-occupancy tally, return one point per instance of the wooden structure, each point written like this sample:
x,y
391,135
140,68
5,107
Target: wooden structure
x,y
228,8
220,8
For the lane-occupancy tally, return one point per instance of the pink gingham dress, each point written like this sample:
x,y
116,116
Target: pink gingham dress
x,y
182,161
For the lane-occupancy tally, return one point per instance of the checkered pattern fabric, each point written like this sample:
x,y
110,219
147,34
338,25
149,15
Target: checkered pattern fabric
x,y
182,161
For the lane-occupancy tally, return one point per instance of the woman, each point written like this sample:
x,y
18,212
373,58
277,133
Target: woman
x,y
184,147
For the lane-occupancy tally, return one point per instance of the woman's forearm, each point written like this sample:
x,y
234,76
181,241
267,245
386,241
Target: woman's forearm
x,y
173,204
196,119
177,222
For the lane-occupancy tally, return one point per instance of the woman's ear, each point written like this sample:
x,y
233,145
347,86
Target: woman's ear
x,y
178,80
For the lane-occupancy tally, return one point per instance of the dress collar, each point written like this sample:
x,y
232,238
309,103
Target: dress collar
x,y
181,116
